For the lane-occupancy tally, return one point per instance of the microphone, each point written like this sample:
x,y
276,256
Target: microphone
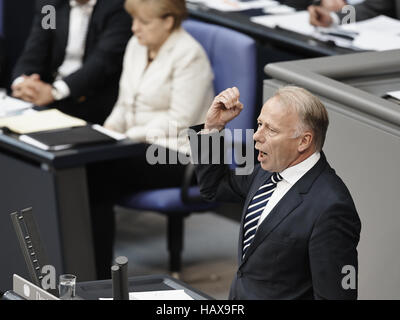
x,y
116,282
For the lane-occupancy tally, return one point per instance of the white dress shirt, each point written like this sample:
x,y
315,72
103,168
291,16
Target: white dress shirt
x,y
290,176
79,19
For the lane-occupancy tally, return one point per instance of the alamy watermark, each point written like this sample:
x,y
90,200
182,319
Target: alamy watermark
x,y
229,147
49,19
349,281
349,14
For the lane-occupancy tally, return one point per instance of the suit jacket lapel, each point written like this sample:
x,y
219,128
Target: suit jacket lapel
x,y
62,31
93,26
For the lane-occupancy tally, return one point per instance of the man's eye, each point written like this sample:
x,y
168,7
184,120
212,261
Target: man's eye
x,y
272,131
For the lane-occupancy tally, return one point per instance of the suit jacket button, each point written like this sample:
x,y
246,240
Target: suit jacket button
x,y
239,274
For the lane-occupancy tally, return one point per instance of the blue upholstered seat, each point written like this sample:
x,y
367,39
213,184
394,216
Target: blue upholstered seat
x,y
167,201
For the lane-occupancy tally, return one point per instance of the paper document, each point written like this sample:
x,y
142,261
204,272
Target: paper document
x,y
234,5
40,121
394,94
297,22
377,41
157,295
381,24
10,106
280,9
379,33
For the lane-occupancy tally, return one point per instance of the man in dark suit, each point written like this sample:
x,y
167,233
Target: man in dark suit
x,y
300,228
77,65
322,17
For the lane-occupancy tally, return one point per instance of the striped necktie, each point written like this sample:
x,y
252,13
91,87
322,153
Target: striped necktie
x,y
256,208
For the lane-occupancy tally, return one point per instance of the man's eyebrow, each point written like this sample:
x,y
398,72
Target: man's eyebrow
x,y
273,127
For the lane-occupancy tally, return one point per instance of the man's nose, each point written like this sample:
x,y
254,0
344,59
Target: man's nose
x,y
257,136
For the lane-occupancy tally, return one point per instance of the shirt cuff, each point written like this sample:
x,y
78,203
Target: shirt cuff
x,y
208,131
62,88
335,19
18,81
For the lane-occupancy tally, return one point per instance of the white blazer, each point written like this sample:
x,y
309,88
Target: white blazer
x,y
174,92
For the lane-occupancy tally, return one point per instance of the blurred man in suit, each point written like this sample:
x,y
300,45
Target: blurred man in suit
x,y
321,16
300,228
77,65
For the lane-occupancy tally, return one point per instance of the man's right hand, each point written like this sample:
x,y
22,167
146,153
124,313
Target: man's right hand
x,y
333,5
225,107
320,16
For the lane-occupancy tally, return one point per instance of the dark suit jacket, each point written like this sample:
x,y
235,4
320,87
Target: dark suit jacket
x,y
94,87
301,247
372,8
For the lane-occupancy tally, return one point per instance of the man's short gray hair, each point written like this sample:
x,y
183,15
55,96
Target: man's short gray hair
x,y
312,113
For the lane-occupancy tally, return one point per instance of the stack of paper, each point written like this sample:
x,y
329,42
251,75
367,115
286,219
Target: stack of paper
x,y
279,9
379,33
9,106
297,22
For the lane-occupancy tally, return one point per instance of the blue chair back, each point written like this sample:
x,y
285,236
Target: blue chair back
x,y
233,57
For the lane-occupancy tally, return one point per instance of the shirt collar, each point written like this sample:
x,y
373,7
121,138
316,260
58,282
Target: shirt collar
x,y
90,4
293,174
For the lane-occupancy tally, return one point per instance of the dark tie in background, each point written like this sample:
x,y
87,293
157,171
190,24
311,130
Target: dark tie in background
x,y
256,208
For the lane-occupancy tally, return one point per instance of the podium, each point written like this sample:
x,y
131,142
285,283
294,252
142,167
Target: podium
x,y
363,146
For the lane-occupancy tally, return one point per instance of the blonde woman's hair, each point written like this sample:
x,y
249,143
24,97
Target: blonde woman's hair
x,y
162,8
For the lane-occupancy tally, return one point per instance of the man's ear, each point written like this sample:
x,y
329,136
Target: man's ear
x,y
307,139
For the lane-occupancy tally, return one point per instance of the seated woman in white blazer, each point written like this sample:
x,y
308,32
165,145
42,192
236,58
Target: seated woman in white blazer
x,y
165,86
166,79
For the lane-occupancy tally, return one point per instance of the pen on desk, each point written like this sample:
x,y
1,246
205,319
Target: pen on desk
x,y
336,34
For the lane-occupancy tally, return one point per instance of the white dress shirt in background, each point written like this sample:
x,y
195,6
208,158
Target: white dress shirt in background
x,y
79,19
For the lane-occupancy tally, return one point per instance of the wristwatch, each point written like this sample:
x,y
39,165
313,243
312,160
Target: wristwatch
x,y
57,95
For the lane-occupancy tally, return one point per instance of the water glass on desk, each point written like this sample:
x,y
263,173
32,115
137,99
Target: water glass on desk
x,y
66,286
